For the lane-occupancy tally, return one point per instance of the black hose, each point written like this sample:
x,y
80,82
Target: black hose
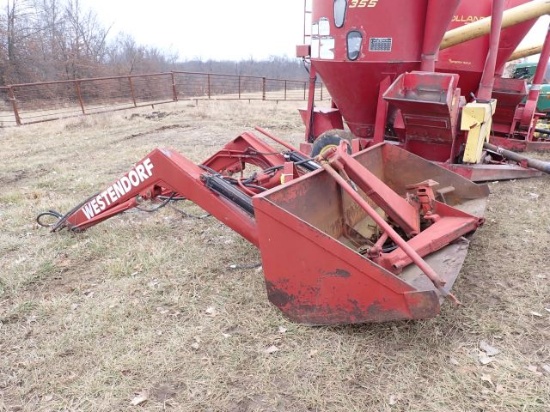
x,y
60,224
159,206
53,213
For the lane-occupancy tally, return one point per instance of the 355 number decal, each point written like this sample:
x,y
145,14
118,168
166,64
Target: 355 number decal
x,y
362,3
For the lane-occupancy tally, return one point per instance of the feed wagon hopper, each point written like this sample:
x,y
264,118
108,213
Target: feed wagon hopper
x,y
425,75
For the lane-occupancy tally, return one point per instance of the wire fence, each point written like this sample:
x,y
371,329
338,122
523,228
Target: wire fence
x,y
40,102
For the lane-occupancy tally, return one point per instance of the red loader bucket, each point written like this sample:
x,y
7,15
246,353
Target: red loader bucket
x,y
310,233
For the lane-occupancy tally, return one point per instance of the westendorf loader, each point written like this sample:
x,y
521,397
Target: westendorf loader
x,y
367,230
374,236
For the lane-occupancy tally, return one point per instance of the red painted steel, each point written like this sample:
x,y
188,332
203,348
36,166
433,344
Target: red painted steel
x,y
165,171
300,222
169,171
338,161
488,74
468,59
320,265
529,116
492,172
403,213
410,43
421,108
429,109
354,85
246,148
321,120
509,94
514,119
435,32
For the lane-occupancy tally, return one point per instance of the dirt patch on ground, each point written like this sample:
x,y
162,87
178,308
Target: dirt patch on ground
x,y
16,176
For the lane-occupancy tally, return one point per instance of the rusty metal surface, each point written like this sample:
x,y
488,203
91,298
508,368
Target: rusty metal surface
x,y
429,105
313,271
46,101
490,173
447,261
313,279
521,145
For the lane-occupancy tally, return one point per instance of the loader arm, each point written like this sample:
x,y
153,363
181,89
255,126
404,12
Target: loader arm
x,y
165,172
160,171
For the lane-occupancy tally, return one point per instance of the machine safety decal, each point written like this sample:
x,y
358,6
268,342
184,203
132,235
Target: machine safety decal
x,y
135,177
324,27
380,44
362,3
326,48
315,29
315,44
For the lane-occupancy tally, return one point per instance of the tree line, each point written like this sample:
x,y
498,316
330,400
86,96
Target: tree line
x,y
49,40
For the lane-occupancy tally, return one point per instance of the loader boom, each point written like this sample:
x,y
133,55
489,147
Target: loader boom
x,y
166,172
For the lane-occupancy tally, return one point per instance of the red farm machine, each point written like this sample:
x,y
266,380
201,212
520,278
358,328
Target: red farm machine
x,y
374,227
430,82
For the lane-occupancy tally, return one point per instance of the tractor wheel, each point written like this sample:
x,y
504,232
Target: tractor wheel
x,y
330,138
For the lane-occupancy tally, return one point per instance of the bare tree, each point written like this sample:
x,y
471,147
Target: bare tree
x,y
85,45
42,40
18,32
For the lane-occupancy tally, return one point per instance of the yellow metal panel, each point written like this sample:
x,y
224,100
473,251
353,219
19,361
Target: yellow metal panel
x,y
476,121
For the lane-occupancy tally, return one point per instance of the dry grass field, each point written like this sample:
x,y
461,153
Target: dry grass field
x,y
167,311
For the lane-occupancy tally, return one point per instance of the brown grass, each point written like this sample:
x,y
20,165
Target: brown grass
x,y
148,303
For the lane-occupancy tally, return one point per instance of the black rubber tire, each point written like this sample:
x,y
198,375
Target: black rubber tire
x,y
330,138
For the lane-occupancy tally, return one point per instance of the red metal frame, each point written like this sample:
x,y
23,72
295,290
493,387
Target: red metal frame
x,y
414,119
309,231
446,223
165,172
316,274
516,121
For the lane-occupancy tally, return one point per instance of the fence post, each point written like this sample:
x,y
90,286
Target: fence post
x,y
79,95
11,95
209,91
305,89
132,90
174,90
239,87
263,88
285,89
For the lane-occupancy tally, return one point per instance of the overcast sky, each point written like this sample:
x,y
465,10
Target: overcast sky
x,y
218,29
209,29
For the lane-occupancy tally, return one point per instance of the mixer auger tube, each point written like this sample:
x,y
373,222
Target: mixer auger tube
x,y
482,27
516,157
488,76
527,51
